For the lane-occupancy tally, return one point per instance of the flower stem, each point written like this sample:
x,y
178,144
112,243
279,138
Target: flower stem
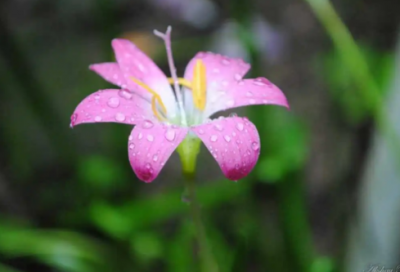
x,y
208,264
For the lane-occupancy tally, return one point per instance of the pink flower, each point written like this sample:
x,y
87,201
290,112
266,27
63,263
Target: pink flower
x,y
164,118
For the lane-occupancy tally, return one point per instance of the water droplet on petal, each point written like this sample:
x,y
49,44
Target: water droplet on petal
x,y
131,146
140,136
147,124
113,102
218,127
249,94
97,97
130,138
259,83
150,138
230,103
201,131
170,135
155,157
120,117
238,77
255,146
225,61
240,126
213,138
233,133
73,119
97,118
125,94
227,138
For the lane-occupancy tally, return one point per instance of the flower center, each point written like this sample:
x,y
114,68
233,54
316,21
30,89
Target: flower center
x,y
198,84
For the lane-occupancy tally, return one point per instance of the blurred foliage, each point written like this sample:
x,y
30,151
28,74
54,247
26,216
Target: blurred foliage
x,y
345,90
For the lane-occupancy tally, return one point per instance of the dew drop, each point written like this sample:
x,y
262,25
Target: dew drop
x,y
120,117
233,133
249,94
140,66
218,127
73,118
125,94
258,83
213,138
227,138
155,158
150,138
97,97
130,138
131,146
147,124
140,136
97,118
225,61
201,131
170,135
230,103
113,102
255,146
148,166
240,126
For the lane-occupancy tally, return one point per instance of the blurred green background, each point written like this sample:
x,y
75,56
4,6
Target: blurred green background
x,y
324,196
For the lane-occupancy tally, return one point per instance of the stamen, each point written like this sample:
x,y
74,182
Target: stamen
x,y
155,111
182,81
167,40
155,95
199,85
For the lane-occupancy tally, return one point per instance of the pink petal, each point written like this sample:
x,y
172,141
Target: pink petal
x,y
134,63
111,72
244,93
150,145
234,143
226,89
219,68
112,105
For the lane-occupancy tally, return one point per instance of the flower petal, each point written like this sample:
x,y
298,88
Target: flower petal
x,y
218,68
226,89
134,63
150,145
244,93
112,105
234,142
111,72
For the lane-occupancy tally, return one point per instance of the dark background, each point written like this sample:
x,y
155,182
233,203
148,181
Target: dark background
x,y
324,196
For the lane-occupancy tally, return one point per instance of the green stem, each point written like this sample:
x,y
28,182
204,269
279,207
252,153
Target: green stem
x,y
353,58
208,264
295,225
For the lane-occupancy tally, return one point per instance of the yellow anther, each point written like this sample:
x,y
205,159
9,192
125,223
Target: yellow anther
x,y
199,85
181,81
155,98
155,111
